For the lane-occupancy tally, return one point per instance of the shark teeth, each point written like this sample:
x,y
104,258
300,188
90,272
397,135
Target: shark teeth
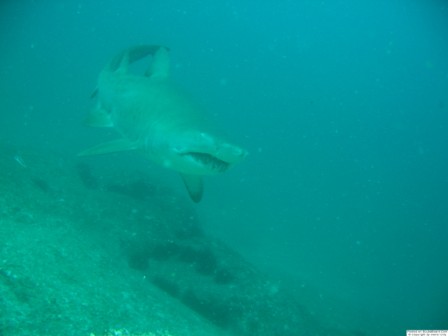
x,y
209,161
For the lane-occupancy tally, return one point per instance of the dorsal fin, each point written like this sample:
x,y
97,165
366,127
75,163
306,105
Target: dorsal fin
x,y
160,66
121,61
124,63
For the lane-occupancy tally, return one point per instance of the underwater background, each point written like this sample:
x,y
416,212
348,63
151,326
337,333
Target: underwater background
x,y
342,106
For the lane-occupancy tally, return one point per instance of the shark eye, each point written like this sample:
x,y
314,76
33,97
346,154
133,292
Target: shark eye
x,y
209,161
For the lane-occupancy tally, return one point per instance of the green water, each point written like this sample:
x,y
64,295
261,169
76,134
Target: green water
x,y
342,106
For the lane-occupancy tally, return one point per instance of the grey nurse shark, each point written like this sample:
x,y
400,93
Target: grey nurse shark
x,y
157,118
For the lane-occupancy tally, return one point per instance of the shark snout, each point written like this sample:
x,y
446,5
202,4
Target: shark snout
x,y
230,153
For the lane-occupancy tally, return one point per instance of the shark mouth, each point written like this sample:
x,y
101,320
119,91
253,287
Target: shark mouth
x,y
209,161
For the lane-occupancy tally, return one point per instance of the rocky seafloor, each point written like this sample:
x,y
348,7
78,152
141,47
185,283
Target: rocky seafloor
x,y
83,253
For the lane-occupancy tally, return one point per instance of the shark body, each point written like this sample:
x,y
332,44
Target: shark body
x,y
156,117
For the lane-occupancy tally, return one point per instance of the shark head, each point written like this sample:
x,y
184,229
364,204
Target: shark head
x,y
196,153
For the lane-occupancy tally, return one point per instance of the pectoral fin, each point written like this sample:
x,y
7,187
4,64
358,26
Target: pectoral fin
x,y
194,186
160,66
114,146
